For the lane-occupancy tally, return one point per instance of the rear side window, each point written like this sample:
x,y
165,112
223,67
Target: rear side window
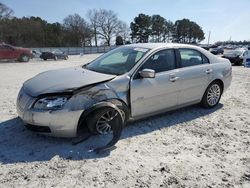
x,y
190,57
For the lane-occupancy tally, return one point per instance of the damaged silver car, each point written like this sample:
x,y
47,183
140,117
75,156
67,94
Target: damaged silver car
x,y
128,83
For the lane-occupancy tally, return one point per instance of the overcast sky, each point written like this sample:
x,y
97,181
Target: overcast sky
x,y
224,18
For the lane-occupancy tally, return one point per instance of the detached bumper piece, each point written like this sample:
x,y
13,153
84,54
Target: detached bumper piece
x,y
40,129
117,125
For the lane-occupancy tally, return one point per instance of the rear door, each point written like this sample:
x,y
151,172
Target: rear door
x,y
195,73
4,52
150,95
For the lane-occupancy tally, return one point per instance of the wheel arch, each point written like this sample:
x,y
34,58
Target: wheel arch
x,y
102,104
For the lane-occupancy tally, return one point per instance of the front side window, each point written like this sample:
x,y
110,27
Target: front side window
x,y
191,57
117,61
161,61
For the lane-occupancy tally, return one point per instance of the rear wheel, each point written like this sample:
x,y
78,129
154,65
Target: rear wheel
x,y
212,95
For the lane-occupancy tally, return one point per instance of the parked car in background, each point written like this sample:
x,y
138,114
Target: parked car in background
x,y
234,56
216,50
56,54
246,58
9,52
130,82
205,46
36,53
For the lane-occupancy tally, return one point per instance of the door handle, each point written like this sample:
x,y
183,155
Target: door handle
x,y
173,78
208,71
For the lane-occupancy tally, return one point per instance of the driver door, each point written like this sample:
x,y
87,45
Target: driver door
x,y
151,95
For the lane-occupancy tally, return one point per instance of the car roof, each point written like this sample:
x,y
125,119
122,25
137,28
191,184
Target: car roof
x,y
160,45
156,46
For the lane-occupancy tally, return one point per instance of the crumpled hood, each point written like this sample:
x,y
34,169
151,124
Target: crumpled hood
x,y
62,80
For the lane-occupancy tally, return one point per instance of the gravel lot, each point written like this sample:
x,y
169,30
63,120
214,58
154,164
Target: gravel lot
x,y
190,147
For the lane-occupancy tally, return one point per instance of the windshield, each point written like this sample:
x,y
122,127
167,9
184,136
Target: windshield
x,y
117,61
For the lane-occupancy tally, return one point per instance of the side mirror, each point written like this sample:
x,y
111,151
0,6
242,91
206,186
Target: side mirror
x,y
147,73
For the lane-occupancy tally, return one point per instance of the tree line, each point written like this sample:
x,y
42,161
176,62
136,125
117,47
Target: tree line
x,y
155,28
100,27
244,43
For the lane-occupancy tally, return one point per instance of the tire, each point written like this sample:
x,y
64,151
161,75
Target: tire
x,y
24,58
66,57
212,95
45,59
96,121
55,58
239,63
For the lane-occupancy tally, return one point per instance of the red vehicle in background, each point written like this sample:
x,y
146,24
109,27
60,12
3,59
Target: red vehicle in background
x,y
16,53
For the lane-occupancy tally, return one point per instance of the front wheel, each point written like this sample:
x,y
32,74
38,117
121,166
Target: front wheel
x,y
104,120
212,95
55,58
24,58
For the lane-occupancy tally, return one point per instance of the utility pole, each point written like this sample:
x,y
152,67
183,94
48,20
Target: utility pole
x,y
208,37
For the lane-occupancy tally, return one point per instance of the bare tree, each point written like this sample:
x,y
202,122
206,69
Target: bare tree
x,y
78,29
93,19
5,12
108,25
124,31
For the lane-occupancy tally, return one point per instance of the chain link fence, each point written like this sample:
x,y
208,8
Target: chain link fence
x,y
79,50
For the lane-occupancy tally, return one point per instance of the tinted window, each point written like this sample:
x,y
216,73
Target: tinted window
x,y
161,61
191,57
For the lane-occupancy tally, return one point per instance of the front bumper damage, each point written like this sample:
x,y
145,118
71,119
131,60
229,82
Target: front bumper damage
x,y
64,122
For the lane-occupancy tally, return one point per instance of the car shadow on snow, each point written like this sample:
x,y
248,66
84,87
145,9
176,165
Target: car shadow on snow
x,y
17,144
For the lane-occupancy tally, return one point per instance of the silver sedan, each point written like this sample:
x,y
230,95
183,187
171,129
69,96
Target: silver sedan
x,y
129,82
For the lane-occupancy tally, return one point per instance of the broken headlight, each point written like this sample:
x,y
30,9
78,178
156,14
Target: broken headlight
x,y
51,103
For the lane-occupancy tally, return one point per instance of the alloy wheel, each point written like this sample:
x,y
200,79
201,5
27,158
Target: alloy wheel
x,y
103,125
213,94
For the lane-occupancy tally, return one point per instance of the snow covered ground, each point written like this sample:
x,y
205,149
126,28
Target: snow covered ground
x,y
190,147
